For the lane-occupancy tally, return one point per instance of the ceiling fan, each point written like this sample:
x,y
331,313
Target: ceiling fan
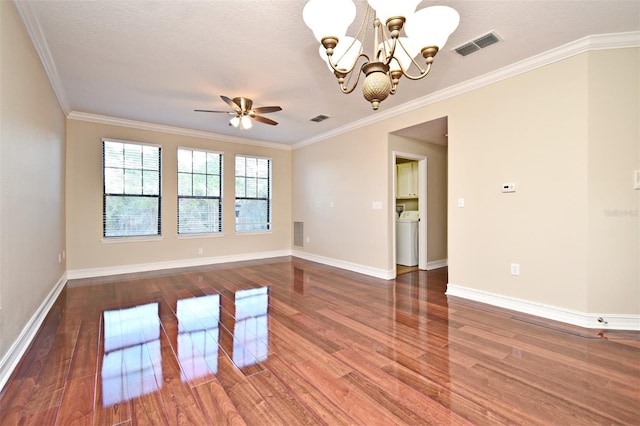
x,y
244,113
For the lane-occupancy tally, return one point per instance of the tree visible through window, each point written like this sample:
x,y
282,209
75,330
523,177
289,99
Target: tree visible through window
x,y
131,189
253,194
199,192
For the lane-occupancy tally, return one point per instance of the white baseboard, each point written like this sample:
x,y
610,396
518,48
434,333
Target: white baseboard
x,y
354,267
173,264
11,359
437,264
568,316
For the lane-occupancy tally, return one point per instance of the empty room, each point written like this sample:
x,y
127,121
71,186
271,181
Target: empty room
x,y
326,212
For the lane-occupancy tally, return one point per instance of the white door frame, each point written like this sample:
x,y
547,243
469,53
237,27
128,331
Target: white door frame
x,y
422,205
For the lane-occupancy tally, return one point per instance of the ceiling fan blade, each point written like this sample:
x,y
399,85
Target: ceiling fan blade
x,y
267,109
264,120
231,103
206,110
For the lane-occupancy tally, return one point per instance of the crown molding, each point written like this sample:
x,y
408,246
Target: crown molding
x,y
585,44
32,24
141,125
593,42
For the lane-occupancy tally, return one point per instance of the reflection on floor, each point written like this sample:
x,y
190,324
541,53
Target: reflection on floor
x,y
401,269
132,360
287,341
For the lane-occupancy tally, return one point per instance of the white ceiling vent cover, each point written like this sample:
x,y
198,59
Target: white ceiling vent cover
x,y
298,234
477,44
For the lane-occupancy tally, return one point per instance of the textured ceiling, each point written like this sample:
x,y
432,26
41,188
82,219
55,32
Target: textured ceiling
x,y
157,61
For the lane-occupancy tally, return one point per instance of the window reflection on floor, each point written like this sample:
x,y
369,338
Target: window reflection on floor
x,y
198,336
131,365
251,329
132,360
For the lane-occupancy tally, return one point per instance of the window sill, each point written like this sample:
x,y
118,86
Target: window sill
x,y
194,236
140,239
253,232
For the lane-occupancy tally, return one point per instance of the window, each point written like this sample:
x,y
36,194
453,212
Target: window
x,y
199,192
131,189
253,194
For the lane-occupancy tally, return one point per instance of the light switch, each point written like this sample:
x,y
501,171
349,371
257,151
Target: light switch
x,y
508,187
460,202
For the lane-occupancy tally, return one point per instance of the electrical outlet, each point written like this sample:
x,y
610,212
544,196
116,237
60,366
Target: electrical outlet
x,y
200,250
515,269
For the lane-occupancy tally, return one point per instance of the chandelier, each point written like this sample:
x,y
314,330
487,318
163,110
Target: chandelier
x,y
426,31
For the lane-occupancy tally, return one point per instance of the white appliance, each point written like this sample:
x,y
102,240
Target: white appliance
x,y
407,238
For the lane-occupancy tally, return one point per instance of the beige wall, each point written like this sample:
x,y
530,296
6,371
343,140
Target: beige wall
x,y
436,191
614,206
335,183
85,246
532,132
537,129
31,180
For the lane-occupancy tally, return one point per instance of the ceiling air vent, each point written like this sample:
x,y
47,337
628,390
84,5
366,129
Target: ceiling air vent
x,y
319,118
477,44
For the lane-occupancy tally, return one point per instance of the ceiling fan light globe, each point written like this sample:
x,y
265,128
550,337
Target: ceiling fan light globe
x,y
235,121
329,17
245,122
432,26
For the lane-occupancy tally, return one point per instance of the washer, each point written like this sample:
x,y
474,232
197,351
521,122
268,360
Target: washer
x,y
407,238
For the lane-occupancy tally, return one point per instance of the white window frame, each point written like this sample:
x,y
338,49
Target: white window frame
x,y
256,227
220,197
105,195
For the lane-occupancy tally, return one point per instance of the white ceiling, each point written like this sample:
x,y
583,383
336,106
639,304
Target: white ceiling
x,y
157,61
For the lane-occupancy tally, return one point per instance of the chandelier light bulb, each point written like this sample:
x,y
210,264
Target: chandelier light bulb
x,y
432,26
329,17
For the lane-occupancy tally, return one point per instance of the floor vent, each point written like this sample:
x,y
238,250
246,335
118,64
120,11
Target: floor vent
x,y
319,118
477,44
298,234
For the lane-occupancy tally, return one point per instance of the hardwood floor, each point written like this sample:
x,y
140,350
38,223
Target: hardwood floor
x,y
286,341
401,269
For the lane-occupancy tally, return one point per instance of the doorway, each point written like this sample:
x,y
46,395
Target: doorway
x,y
411,201
426,146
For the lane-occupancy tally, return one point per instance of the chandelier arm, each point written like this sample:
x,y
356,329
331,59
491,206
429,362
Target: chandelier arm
x,y
344,87
391,41
362,30
392,52
417,65
353,66
423,73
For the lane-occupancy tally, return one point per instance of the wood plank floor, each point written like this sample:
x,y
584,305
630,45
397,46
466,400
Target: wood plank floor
x,y
286,341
